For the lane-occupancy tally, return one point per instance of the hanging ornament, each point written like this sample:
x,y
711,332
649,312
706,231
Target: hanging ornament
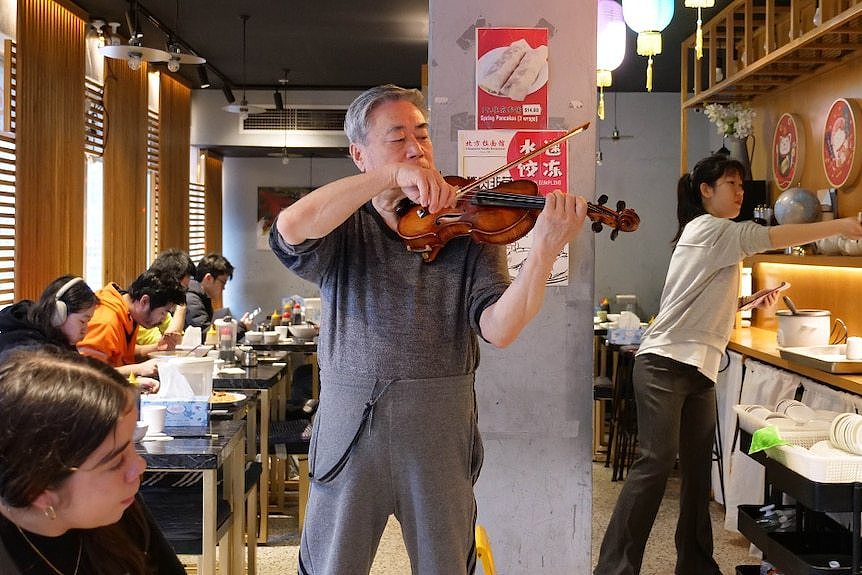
x,y
610,46
648,18
698,43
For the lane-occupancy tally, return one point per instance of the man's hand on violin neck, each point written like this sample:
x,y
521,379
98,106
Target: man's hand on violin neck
x,y
561,219
425,186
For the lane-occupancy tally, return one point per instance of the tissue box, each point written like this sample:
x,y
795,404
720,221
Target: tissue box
x,y
185,412
621,336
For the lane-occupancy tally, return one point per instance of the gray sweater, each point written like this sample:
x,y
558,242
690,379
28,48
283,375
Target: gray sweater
x,y
385,313
699,299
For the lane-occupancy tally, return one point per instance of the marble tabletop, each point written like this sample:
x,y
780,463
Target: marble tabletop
x,y
191,447
288,344
262,376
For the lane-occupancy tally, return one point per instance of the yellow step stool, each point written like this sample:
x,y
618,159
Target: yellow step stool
x,y
483,551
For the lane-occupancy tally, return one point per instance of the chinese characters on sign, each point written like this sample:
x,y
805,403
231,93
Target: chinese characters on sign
x,y
512,78
482,151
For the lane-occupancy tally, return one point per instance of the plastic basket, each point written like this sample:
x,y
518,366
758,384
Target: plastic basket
x,y
845,469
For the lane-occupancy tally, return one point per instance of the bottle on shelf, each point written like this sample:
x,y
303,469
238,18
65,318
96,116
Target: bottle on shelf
x,y
604,309
275,318
296,317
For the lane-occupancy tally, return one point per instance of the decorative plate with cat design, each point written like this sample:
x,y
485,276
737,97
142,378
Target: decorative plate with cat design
x,y
788,148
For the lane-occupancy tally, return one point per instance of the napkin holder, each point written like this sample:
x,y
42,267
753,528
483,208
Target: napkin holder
x,y
628,330
185,390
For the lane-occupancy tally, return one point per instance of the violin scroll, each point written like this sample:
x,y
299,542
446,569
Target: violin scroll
x,y
623,219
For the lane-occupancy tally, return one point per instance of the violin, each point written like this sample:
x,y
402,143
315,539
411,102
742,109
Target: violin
x,y
500,215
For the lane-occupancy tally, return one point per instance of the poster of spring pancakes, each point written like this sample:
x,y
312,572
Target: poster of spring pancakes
x,y
512,72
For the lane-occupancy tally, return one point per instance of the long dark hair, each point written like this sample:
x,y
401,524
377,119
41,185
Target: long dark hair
x,y
689,202
57,407
77,297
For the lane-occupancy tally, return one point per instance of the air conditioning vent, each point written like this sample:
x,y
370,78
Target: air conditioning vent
x,y
297,119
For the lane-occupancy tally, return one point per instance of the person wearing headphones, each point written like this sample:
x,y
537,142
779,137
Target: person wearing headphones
x,y
59,318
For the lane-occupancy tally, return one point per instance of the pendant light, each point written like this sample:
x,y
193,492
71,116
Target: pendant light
x,y
278,100
699,4
135,52
176,56
610,46
243,107
648,18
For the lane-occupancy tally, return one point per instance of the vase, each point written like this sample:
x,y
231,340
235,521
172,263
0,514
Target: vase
x,y
737,148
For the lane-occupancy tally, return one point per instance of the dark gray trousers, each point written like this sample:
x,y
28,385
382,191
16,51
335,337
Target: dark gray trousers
x,y
416,456
676,416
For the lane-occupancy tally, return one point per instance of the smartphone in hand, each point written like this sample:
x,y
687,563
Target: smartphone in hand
x,y
756,298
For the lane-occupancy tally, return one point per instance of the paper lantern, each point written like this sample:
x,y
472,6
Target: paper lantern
x,y
698,43
610,46
648,18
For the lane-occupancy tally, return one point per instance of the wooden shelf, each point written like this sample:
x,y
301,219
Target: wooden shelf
x,y
833,261
771,45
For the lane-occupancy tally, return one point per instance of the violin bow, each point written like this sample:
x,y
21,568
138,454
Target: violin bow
x,y
475,183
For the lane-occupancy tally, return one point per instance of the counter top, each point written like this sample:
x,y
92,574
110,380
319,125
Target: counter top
x,y
761,344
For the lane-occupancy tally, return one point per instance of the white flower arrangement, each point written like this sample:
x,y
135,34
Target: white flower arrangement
x,y
731,120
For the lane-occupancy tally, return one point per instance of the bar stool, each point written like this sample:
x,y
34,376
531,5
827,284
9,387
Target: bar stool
x,y
624,426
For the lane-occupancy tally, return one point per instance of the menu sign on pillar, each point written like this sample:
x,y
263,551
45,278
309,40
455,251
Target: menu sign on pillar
x,y
512,78
480,152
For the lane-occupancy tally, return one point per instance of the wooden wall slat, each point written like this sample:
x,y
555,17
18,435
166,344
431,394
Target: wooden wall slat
x,y
50,140
174,149
213,182
125,172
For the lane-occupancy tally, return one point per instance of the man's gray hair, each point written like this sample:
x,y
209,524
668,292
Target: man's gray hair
x,y
356,118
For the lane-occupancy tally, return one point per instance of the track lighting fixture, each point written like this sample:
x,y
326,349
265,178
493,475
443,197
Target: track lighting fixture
x,y
203,77
228,94
279,101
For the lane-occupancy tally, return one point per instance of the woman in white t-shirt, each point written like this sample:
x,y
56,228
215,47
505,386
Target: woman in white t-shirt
x,y
678,360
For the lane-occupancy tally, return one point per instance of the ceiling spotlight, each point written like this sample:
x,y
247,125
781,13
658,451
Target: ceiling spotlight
x,y
204,78
279,102
228,94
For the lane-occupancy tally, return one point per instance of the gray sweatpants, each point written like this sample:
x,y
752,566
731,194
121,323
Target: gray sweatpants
x,y
417,455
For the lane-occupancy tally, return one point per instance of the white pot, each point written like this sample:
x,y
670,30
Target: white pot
x,y
811,327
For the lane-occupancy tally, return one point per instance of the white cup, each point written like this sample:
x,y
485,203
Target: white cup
x,y
854,347
283,332
154,417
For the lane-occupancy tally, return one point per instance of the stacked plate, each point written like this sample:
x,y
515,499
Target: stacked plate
x,y
846,432
795,410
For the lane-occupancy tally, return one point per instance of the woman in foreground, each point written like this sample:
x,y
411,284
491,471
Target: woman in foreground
x,y
69,473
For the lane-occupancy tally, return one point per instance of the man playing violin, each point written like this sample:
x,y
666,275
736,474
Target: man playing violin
x,y
395,432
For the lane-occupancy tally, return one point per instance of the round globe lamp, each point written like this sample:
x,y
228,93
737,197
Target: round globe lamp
x,y
610,46
648,18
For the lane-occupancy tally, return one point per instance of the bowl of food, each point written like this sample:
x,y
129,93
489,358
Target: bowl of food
x,y
270,337
253,337
302,332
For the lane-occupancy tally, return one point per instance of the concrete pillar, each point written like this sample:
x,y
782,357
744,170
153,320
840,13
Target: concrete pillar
x,y
535,397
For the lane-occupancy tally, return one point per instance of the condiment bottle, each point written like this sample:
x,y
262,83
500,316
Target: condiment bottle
x,y
275,318
212,336
296,318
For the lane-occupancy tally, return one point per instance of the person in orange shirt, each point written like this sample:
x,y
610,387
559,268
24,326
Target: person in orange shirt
x,y
112,332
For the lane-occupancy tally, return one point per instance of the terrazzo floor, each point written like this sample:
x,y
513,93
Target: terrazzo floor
x,y
279,556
